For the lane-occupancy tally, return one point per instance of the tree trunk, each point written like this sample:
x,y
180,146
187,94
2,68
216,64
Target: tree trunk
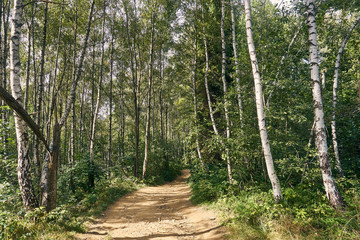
x,y
332,192
260,106
97,106
335,87
134,87
194,78
147,130
49,171
223,71
110,104
28,62
206,77
237,70
4,21
24,168
161,104
40,89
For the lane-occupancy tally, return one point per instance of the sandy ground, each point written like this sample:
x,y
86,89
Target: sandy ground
x,y
163,212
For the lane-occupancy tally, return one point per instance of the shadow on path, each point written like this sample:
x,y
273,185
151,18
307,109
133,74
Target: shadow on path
x,y
162,212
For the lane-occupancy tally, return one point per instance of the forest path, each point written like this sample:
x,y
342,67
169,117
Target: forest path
x,y
162,212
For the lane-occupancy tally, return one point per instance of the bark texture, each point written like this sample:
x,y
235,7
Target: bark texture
x,y
332,192
22,138
260,106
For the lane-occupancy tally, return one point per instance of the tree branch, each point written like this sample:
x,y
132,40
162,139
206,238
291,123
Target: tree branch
x,y
21,112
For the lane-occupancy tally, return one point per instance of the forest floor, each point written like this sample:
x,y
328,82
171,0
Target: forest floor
x,y
162,212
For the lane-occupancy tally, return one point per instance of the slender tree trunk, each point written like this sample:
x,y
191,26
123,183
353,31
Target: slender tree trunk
x,y
49,171
194,78
28,62
206,78
134,87
160,96
24,168
5,13
211,112
332,192
73,122
138,67
223,78
110,104
334,103
147,130
237,70
260,107
40,91
97,106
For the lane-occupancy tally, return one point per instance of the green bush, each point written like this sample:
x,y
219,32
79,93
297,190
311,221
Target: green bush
x,y
304,213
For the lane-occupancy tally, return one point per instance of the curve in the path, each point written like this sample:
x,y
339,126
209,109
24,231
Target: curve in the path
x,y
163,212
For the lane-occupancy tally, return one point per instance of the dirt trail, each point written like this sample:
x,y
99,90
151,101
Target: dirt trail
x,y
163,212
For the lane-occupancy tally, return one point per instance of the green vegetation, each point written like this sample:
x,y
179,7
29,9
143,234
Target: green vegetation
x,y
250,211
75,208
70,216
109,85
77,203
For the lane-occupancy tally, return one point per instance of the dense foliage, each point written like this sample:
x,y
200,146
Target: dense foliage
x,y
151,55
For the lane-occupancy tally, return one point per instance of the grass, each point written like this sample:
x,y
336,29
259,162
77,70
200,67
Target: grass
x,y
74,208
304,213
67,219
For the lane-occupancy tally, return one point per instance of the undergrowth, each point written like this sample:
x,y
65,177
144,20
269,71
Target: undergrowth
x,y
251,213
77,202
65,219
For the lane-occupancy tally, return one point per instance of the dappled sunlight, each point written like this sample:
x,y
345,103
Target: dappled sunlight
x,y
163,212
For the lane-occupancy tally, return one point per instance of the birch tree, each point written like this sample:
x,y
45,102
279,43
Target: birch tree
x,y
334,98
237,70
260,106
223,71
194,78
332,192
22,138
150,82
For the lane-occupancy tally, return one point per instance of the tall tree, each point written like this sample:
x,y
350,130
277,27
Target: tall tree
x,y
49,171
334,102
24,164
332,192
97,105
194,82
260,106
150,82
237,70
223,78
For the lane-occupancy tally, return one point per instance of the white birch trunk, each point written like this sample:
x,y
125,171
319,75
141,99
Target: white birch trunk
x,y
211,112
237,70
223,69
320,130
198,149
335,87
260,106
24,167
147,127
